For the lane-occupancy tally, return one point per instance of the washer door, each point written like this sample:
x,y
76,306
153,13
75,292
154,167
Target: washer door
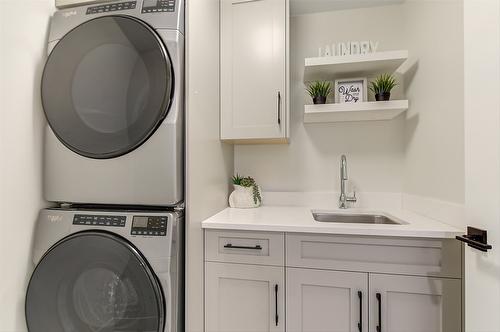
x,y
106,86
94,281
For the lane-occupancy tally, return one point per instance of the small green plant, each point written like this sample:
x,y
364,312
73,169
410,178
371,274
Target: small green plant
x,y
319,89
248,182
383,84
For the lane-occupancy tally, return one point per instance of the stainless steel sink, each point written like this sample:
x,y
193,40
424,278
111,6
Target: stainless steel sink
x,y
354,218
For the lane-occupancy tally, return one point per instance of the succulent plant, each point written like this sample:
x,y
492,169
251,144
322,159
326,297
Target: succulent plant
x,y
248,182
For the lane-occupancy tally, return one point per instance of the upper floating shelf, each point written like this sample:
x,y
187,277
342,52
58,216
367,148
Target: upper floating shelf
x,y
361,65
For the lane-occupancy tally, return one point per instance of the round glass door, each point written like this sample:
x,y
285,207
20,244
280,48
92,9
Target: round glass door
x,y
106,86
94,281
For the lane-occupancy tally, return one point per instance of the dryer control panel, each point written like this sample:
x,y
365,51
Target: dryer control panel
x,y
111,7
149,225
158,6
99,220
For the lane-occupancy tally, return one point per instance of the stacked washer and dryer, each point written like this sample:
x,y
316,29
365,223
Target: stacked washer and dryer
x,y
110,257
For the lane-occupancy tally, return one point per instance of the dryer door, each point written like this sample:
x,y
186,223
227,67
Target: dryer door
x,y
94,281
106,86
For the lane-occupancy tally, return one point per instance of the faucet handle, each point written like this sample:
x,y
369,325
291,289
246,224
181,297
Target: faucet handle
x,y
352,199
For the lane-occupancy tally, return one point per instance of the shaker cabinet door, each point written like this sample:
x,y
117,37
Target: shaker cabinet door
x,y
326,301
253,69
244,298
414,304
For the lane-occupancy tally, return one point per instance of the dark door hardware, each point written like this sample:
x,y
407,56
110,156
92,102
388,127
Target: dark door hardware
x,y
360,324
379,300
276,302
476,238
230,246
279,107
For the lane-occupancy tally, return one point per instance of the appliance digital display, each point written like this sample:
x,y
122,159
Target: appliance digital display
x,y
140,222
150,3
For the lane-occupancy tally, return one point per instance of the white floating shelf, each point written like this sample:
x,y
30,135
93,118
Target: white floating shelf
x,y
367,111
365,65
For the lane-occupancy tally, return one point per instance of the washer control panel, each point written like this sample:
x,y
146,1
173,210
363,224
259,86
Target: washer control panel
x,y
149,225
158,6
111,7
99,220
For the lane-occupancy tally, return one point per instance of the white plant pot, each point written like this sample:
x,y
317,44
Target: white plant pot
x,y
242,198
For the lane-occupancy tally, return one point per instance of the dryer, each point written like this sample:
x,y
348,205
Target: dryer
x,y
105,270
112,92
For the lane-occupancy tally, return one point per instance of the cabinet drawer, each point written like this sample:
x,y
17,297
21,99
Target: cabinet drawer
x,y
244,247
440,258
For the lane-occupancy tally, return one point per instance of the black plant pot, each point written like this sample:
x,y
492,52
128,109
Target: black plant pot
x,y
383,96
319,100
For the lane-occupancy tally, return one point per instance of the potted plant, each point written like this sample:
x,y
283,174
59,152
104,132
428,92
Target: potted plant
x,y
319,91
246,194
382,87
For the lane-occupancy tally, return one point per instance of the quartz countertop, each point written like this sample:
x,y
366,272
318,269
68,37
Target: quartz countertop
x,y
300,220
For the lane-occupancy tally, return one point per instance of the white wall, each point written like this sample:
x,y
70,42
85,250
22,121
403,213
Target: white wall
x,y
23,26
482,162
209,162
434,132
375,150
420,153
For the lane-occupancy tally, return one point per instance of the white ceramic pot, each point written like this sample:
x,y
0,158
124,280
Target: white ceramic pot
x,y
242,198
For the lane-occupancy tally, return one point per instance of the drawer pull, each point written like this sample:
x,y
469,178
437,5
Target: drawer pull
x,y
230,246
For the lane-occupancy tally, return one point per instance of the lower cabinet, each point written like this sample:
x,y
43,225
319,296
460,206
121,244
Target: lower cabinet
x,y
414,304
333,301
244,298
249,275
321,301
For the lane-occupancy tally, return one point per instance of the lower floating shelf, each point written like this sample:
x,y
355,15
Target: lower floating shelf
x,y
367,111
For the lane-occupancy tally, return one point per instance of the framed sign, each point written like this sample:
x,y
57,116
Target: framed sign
x,y
351,90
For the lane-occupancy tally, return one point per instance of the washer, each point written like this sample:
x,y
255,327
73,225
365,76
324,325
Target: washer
x,y
112,93
106,271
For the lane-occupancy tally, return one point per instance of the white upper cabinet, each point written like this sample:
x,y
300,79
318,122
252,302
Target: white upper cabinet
x,y
254,71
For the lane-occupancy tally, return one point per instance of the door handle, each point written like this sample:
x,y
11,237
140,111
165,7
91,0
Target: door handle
x,y
360,324
279,108
230,246
276,317
379,300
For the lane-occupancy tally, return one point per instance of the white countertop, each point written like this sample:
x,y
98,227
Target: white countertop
x,y
300,220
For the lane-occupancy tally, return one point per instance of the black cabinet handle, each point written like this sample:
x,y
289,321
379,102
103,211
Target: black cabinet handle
x,y
230,246
276,317
279,107
360,324
379,300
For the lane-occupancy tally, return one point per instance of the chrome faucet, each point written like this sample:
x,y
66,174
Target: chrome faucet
x,y
344,198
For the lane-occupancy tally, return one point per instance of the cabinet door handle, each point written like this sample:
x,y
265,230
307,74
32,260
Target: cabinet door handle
x,y
276,317
360,324
230,246
379,300
279,108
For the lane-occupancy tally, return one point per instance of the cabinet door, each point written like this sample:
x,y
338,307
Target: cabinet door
x,y
326,301
253,69
246,298
414,304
